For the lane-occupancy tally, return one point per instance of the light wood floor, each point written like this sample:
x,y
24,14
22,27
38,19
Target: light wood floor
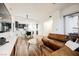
x,y
23,48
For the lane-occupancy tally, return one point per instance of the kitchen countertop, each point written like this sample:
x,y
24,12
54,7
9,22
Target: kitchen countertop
x,y
6,49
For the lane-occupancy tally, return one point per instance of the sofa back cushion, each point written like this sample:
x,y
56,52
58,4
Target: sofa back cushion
x,y
53,44
59,37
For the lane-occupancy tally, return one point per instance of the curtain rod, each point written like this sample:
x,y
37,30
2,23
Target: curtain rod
x,y
71,14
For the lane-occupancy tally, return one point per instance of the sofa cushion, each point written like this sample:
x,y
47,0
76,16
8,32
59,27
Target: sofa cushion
x,y
53,44
65,51
59,37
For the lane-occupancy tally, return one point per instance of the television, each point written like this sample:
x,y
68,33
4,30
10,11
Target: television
x,y
28,33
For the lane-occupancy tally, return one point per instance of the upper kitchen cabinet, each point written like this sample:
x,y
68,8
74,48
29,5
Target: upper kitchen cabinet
x,y
4,13
5,19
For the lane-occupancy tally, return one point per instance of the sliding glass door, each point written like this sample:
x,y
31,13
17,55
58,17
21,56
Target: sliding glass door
x,y
71,24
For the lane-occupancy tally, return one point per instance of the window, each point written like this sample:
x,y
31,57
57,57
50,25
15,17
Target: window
x,y
71,24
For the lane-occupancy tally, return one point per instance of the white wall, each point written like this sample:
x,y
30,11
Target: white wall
x,y
57,23
56,26
48,27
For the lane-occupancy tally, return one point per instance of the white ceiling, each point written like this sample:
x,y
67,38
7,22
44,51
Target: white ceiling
x,y
37,11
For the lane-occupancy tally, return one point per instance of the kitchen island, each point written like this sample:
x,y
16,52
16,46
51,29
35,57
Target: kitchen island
x,y
8,48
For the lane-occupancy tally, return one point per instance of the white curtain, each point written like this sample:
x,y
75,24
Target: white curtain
x,y
71,24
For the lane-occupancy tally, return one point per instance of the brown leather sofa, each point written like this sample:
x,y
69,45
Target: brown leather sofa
x,y
56,42
58,37
65,51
